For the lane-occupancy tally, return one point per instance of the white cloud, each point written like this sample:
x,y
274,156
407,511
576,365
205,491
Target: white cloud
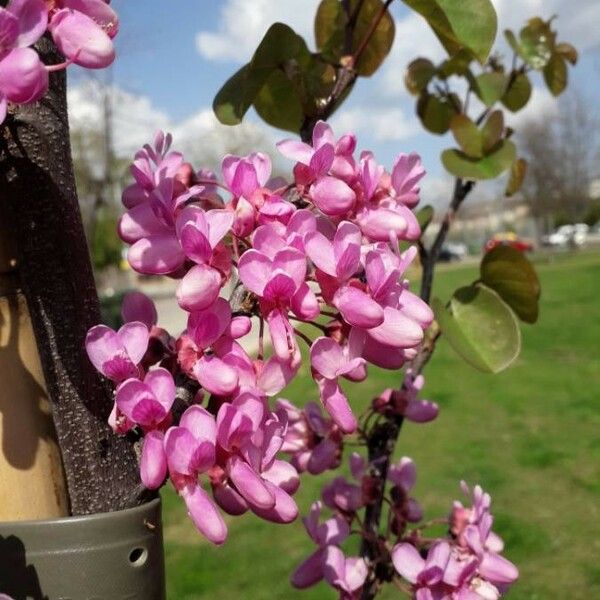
x,y
242,25
380,123
200,137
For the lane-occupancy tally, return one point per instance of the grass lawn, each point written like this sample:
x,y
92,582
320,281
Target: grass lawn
x,y
528,435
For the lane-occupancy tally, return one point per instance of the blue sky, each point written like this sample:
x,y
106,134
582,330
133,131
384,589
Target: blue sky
x,y
173,57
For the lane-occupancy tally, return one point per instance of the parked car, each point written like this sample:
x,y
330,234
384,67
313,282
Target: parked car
x,y
508,238
452,251
567,235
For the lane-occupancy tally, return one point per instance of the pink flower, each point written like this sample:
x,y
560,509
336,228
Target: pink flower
x,y
148,402
423,574
331,532
329,361
405,402
82,31
403,476
314,442
346,574
190,451
23,77
245,175
116,354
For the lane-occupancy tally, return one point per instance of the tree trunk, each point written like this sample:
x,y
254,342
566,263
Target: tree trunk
x,y
38,188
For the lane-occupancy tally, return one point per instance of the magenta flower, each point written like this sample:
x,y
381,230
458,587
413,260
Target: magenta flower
x,y
403,476
23,76
425,575
329,361
190,451
117,354
345,574
148,402
313,441
333,531
82,31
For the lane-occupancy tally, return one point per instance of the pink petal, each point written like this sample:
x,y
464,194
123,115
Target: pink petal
x,y
229,500
207,326
304,303
204,514
267,241
326,357
397,330
139,222
137,306
358,308
295,150
356,572
322,134
274,376
180,446
403,474
334,568
158,254
79,38
153,462
283,475
280,287
102,344
23,77
160,381
195,244
377,224
262,166
134,336
32,16
332,196
219,223
215,376
321,160
255,270
324,456
421,411
337,406
282,335
333,531
200,423
416,309
383,356
99,11
249,484
285,509
320,251
407,561
199,288
310,571
498,569
293,263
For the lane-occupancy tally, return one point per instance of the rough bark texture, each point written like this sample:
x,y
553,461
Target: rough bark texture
x,y
37,184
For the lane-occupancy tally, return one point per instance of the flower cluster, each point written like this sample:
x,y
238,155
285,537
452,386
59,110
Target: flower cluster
x,y
465,566
321,250
81,29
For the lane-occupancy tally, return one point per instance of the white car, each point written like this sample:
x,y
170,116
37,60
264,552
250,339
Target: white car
x,y
567,234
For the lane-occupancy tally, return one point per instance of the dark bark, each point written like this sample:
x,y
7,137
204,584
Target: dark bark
x,y
37,184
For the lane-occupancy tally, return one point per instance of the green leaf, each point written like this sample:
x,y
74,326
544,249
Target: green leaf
x,y
518,93
435,113
469,24
278,104
556,75
488,167
517,175
467,135
418,74
492,130
279,45
567,51
508,272
537,43
424,217
490,87
330,33
456,65
480,327
234,98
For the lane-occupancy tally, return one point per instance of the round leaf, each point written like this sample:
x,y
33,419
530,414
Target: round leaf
x,y
424,217
568,52
490,87
518,93
469,24
234,98
555,74
537,43
278,104
418,74
435,113
492,130
508,272
467,135
488,167
480,327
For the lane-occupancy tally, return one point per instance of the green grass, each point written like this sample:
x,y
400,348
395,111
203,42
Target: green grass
x,y
528,435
